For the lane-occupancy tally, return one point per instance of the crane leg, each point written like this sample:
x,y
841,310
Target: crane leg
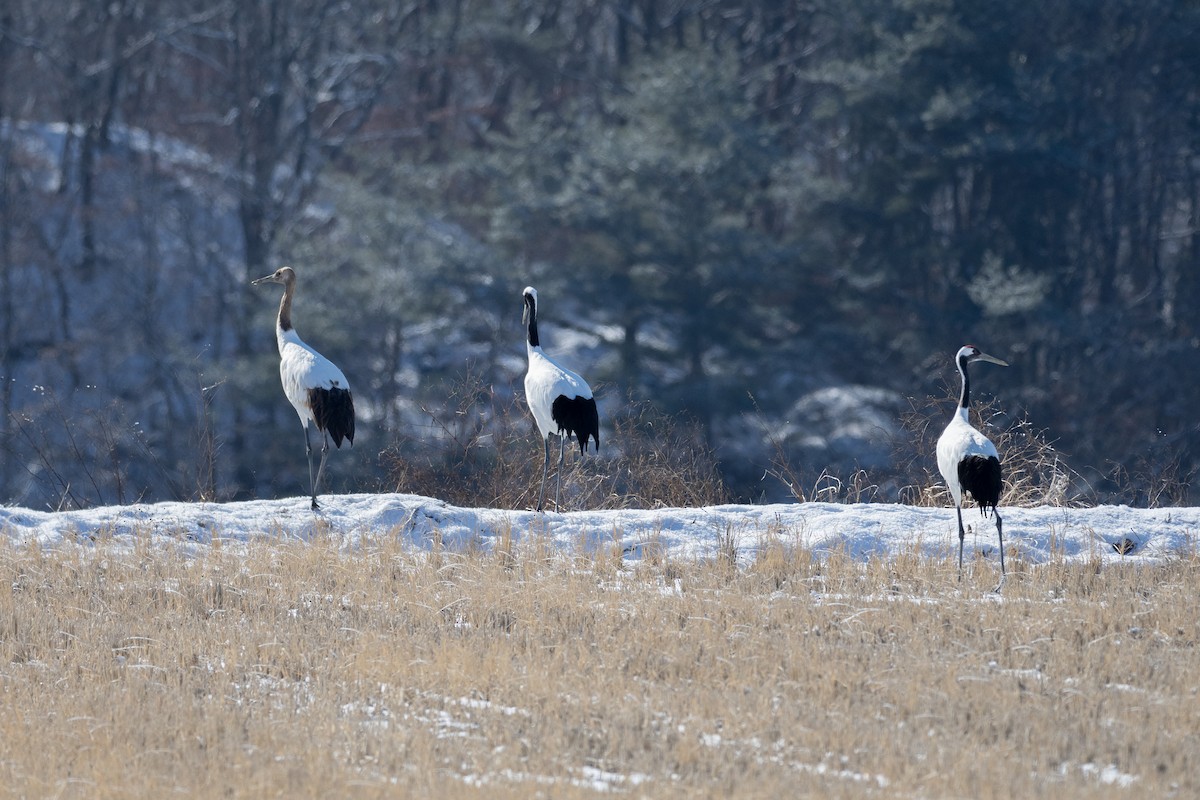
x,y
545,466
308,452
562,447
320,469
1000,533
962,534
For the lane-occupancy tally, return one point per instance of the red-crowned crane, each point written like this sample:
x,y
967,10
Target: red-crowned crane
x,y
560,400
968,460
315,387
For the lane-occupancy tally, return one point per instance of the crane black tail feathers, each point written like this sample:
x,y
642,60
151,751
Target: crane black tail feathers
x,y
578,416
333,410
981,476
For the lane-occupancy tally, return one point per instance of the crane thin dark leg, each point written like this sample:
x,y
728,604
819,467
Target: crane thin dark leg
x,y
545,467
308,452
962,534
320,469
1000,533
562,447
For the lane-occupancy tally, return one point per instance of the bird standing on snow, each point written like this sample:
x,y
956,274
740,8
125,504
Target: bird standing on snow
x,y
560,400
315,387
968,460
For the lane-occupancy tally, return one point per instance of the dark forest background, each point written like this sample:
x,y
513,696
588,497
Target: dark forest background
x,y
772,223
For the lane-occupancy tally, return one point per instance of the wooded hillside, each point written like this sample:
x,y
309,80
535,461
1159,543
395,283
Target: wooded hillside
x,y
778,220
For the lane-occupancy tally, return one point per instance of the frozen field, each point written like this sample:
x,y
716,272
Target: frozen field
x,y
398,646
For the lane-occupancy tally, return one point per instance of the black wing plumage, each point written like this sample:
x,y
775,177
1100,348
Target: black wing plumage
x,y
577,416
980,475
333,410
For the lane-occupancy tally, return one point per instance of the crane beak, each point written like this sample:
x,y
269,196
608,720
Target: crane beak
x,y
990,359
264,279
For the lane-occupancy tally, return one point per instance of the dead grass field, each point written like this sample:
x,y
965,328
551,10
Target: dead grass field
x,y
298,669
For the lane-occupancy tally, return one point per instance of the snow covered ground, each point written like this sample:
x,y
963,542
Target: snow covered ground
x,y
861,530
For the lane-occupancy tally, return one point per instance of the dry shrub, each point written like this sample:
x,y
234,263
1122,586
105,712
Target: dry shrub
x,y
826,487
1035,473
1150,482
81,453
476,451
84,458
822,486
662,461
485,450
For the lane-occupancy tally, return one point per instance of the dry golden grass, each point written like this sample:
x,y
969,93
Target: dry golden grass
x,y
301,669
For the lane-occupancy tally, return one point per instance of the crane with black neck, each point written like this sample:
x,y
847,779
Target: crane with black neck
x,y
560,400
968,461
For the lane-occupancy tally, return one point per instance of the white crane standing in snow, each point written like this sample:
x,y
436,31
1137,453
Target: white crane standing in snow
x,y
968,460
560,400
315,387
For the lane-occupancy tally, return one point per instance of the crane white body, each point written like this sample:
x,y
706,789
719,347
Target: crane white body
x,y
313,384
968,461
302,369
959,440
560,400
545,381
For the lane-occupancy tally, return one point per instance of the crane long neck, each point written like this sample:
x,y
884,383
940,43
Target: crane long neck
x,y
533,334
964,399
285,306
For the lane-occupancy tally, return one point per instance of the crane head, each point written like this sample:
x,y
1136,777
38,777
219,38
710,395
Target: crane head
x,y
530,296
972,353
284,275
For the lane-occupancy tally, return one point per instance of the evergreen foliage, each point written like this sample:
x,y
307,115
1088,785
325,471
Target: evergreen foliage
x,y
718,200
